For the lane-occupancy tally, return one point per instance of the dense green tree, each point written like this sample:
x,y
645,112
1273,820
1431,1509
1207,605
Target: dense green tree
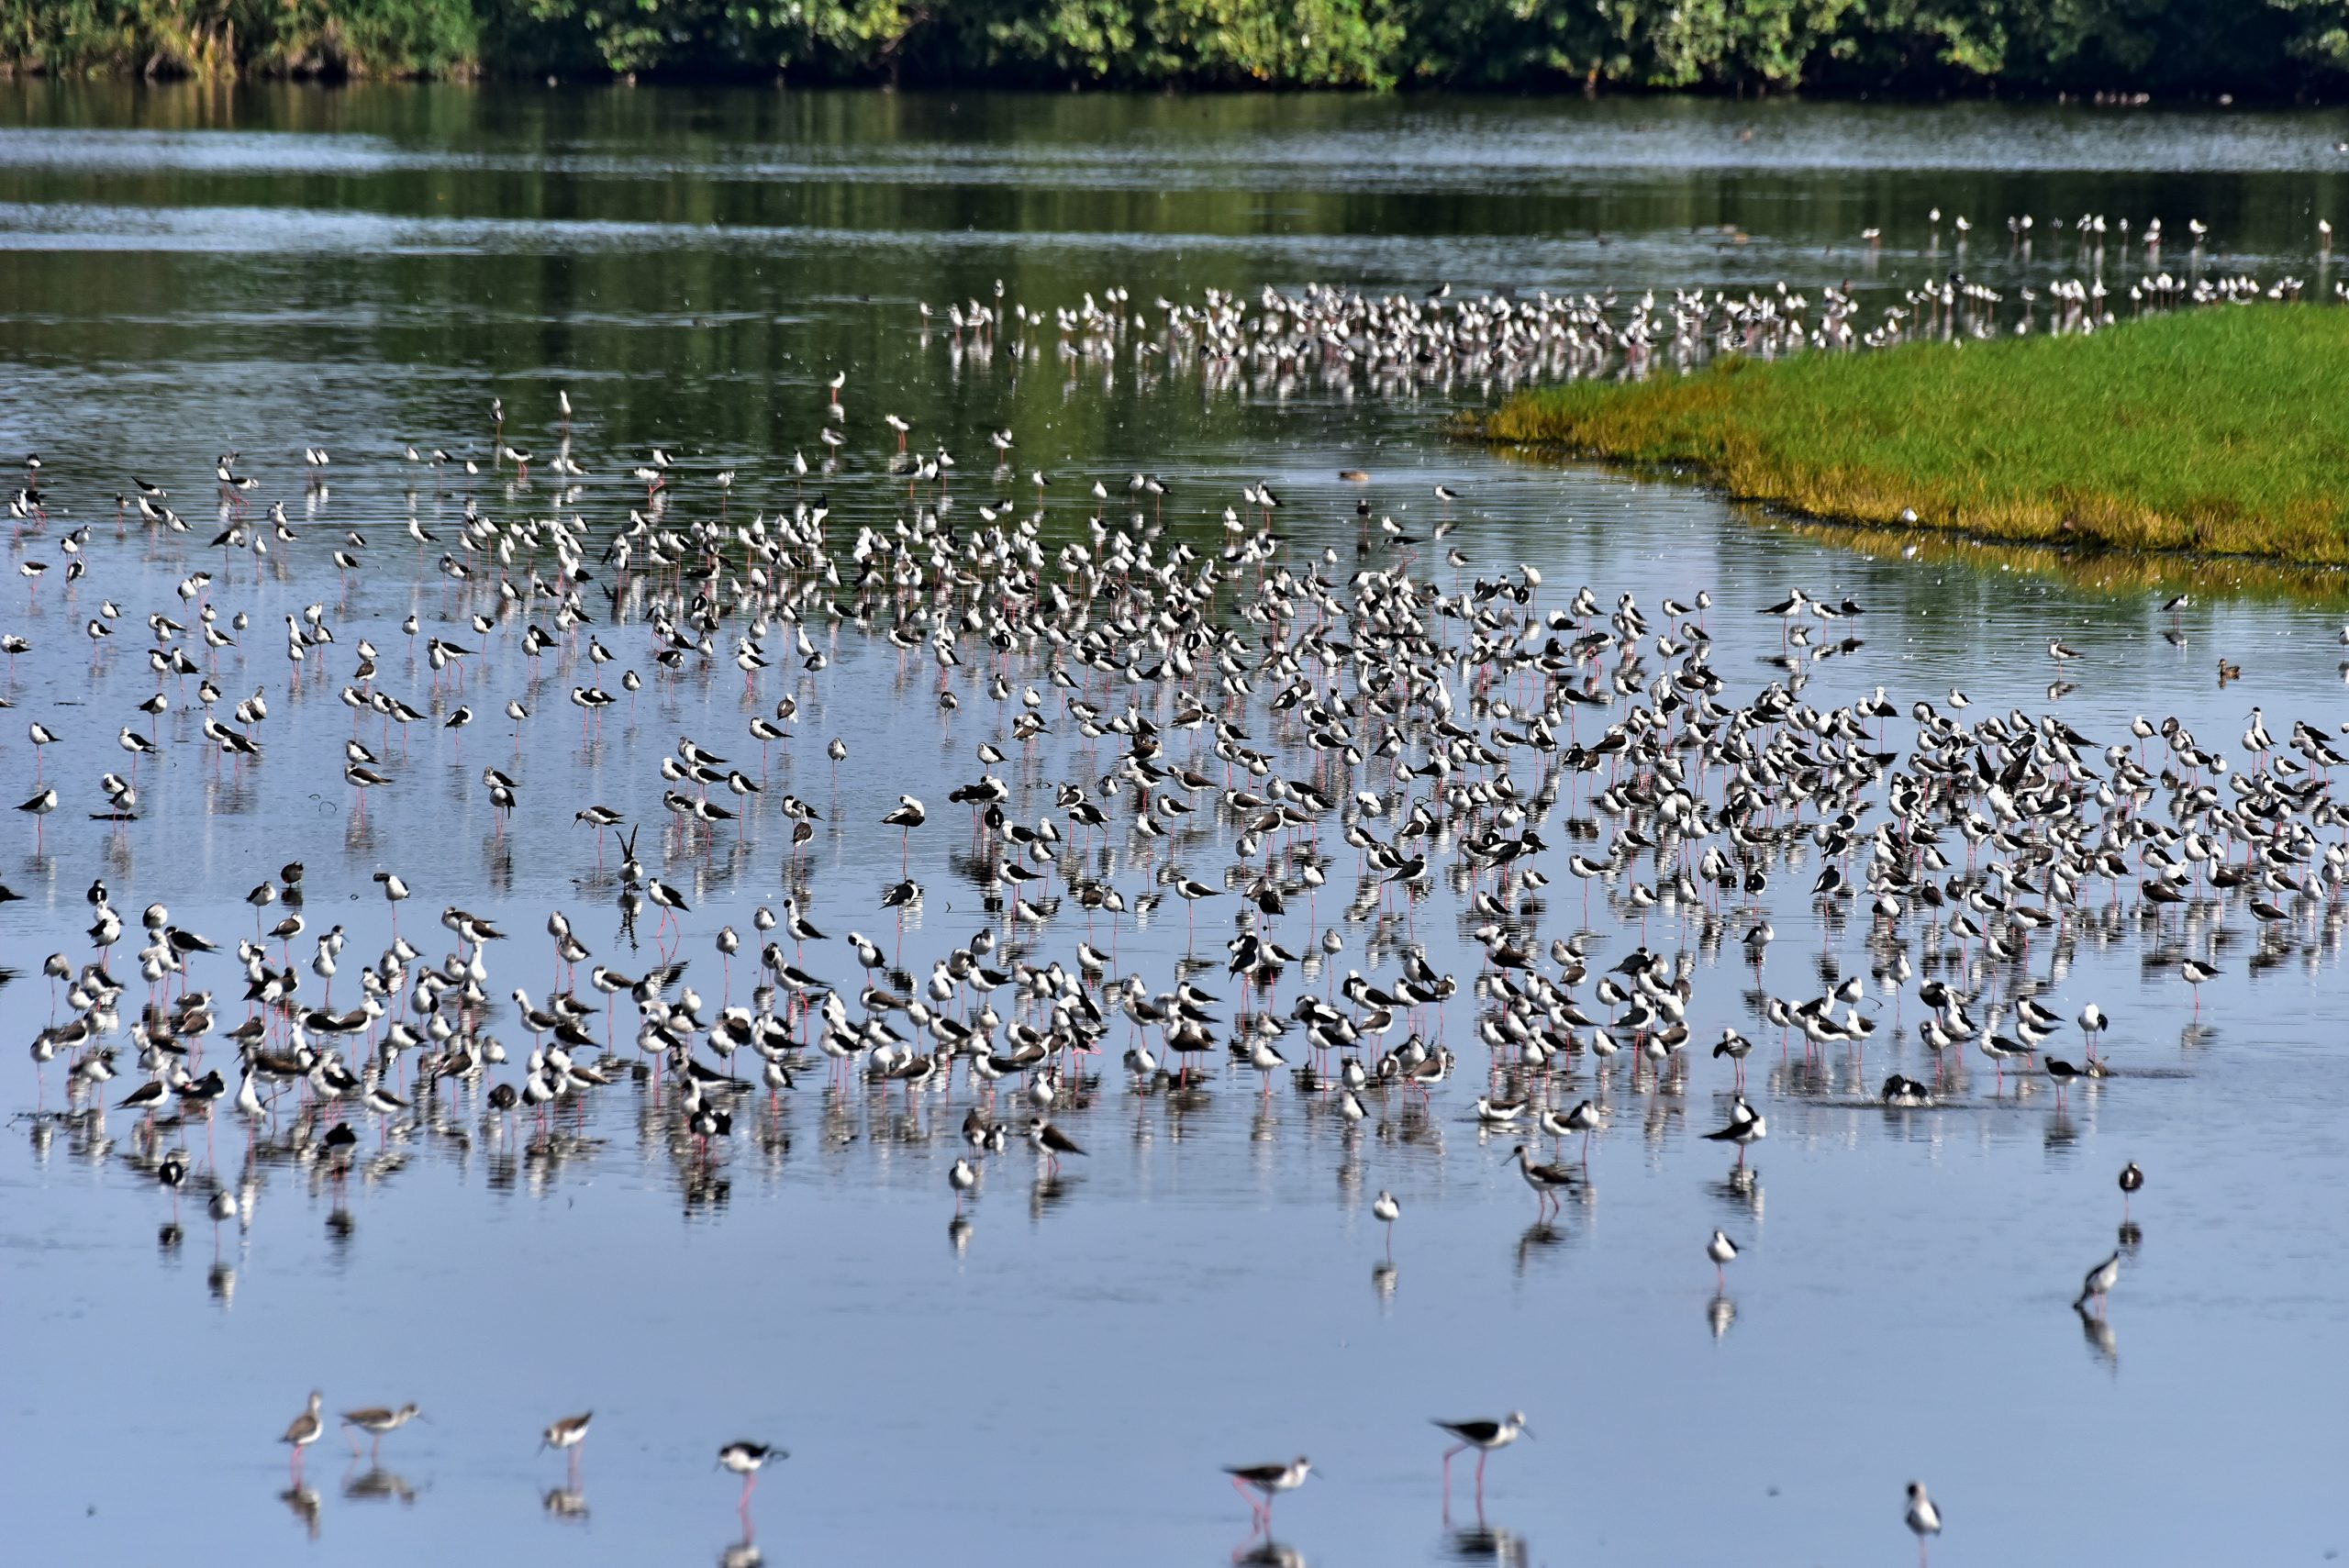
x,y
2268,48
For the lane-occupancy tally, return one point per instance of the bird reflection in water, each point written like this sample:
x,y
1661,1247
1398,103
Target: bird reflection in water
x,y
1720,1313
2131,1238
1540,1236
2097,1329
568,1503
958,1234
704,1187
1742,1186
1049,1193
1482,1543
743,1553
304,1501
1266,1553
376,1485
1382,1281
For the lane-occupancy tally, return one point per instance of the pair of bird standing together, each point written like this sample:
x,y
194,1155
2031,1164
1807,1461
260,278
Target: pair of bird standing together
x,y
1267,1481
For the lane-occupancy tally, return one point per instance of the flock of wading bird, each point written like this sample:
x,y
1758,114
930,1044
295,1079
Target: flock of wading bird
x,y
1399,345
1223,707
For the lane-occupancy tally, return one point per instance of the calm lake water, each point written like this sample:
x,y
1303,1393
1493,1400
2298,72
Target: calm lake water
x,y
185,273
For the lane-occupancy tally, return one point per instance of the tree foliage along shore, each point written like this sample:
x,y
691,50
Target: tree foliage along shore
x,y
2267,49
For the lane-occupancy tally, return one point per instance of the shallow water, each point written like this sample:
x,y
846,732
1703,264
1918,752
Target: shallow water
x,y
183,273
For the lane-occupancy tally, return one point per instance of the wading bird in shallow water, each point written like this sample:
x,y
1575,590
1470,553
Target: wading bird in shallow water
x,y
1746,1126
1484,1437
1581,1119
1439,797
1386,1210
38,807
746,1460
566,1433
1267,1481
1924,1519
2099,1283
1723,1251
304,1429
376,1421
2195,972
1050,1142
907,815
1547,1181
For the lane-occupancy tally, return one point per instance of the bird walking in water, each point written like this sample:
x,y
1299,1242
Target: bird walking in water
x,y
1486,1438
2131,1181
746,1460
1547,1181
376,1421
1266,1482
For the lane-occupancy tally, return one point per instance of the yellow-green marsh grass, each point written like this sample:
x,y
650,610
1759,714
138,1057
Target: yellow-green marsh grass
x,y
2223,431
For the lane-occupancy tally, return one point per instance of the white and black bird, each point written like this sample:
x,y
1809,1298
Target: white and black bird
x,y
1746,1126
1049,1141
746,1460
1924,1519
1386,1211
1547,1181
1486,1438
1267,1481
1723,1251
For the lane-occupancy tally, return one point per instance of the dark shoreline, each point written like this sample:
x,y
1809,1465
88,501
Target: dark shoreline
x,y
547,78
2213,51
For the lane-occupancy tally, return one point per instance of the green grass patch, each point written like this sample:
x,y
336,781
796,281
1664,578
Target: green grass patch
x,y
2221,430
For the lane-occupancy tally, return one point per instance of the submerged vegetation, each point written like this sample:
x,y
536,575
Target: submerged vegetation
x,y
2215,429
2264,48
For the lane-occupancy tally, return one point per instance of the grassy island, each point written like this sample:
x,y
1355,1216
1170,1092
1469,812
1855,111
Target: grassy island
x,y
2221,430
